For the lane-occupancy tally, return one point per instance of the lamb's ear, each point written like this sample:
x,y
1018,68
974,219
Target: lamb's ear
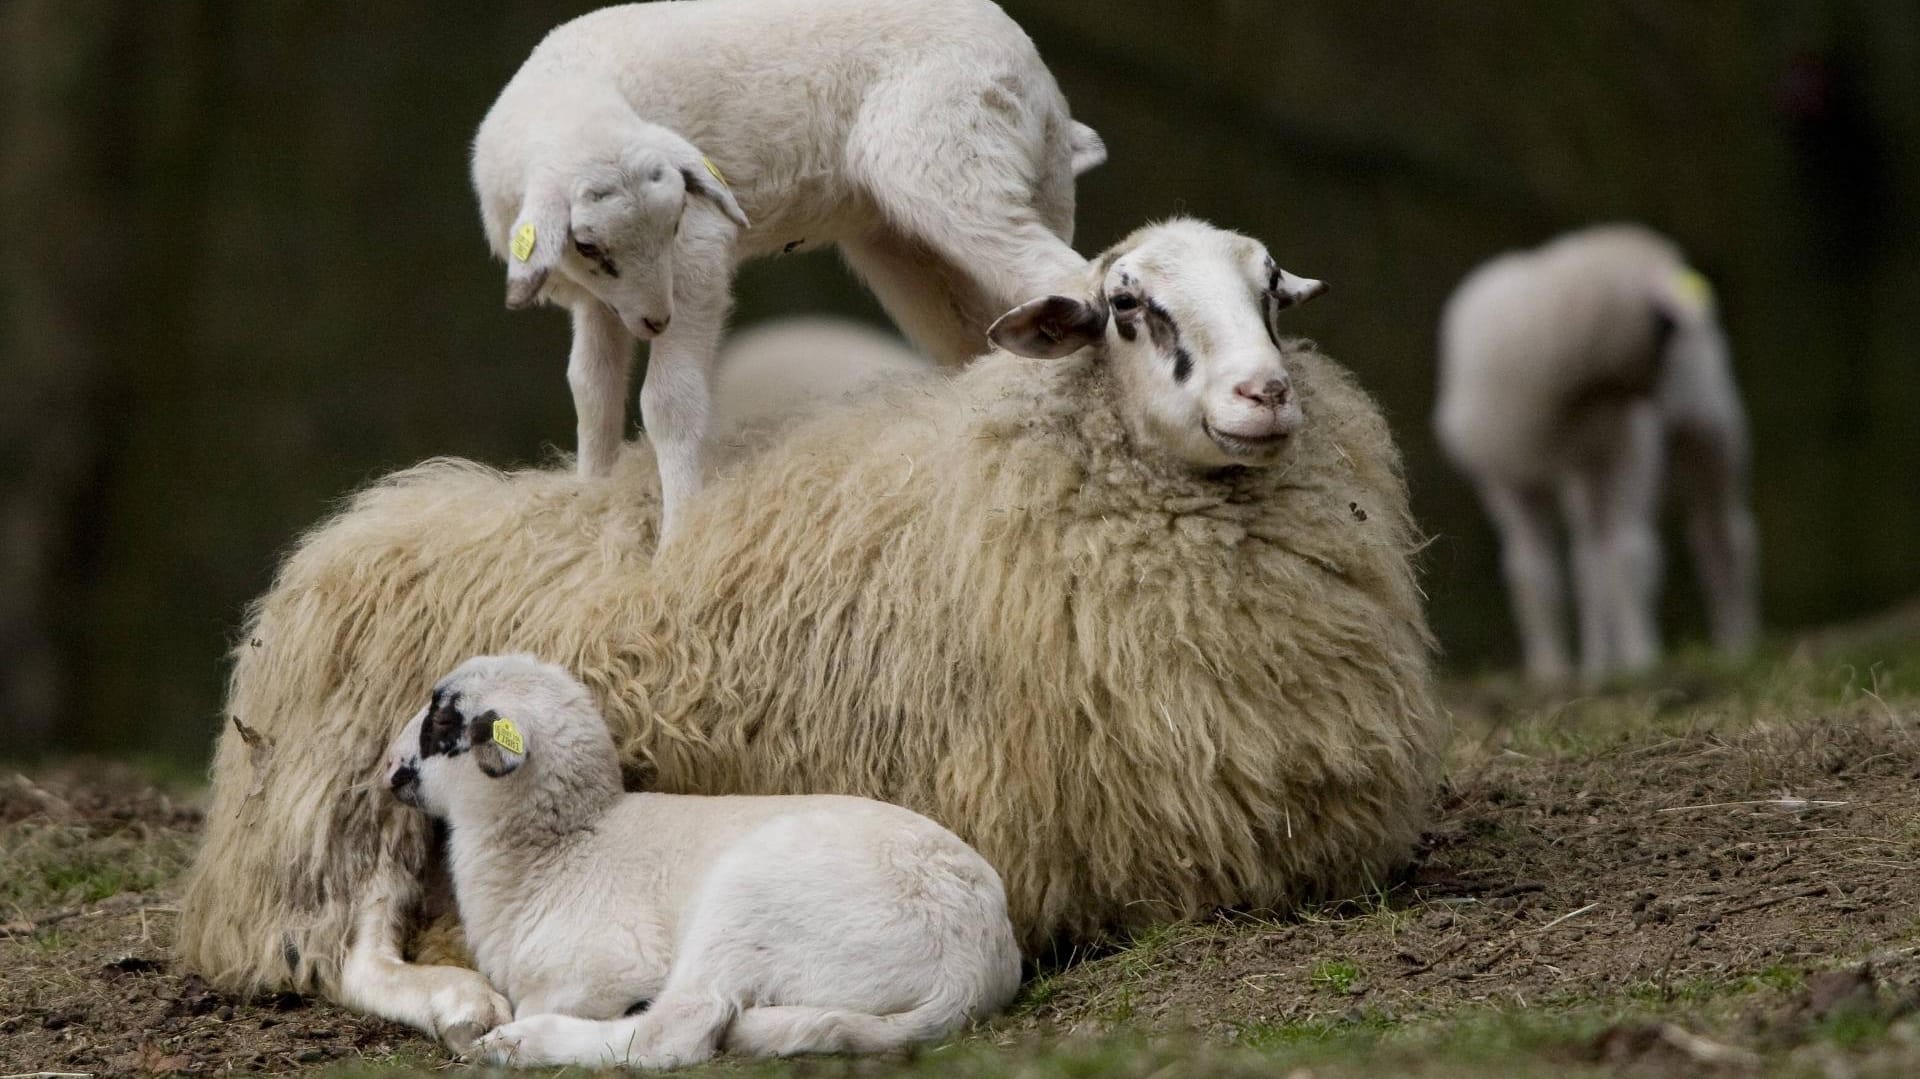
x,y
1050,327
1292,290
704,179
499,745
535,242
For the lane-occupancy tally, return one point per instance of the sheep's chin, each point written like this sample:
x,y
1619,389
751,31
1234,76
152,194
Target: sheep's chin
x,y
1247,449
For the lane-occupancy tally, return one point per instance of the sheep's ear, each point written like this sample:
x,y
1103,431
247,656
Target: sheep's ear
x,y
535,242
704,179
1050,327
499,745
1292,290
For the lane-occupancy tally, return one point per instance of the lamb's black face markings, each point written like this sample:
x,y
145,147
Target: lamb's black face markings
x,y
1182,365
444,733
592,253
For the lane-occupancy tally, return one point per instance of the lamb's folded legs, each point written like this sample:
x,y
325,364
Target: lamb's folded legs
x,y
454,1005
681,1028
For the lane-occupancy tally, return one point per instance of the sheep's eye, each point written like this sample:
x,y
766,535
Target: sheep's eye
x,y
588,251
1124,303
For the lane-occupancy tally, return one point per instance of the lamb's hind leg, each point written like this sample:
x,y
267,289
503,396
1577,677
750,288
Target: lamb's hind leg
x,y
979,184
935,304
1710,470
452,1004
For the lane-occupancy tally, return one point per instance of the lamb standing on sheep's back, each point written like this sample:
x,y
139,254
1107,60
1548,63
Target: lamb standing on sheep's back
x,y
1141,689
619,170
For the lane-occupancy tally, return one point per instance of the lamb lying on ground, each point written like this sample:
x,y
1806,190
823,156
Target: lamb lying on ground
x,y
619,169
1139,622
764,926
1578,371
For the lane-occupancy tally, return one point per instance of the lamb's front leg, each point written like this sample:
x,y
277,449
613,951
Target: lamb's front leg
x,y
452,1004
676,403
597,373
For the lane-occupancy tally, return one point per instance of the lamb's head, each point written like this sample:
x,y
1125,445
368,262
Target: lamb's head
x,y
1186,315
606,216
495,727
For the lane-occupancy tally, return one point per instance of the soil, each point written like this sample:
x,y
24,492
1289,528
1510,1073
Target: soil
x,y
1653,871
1660,868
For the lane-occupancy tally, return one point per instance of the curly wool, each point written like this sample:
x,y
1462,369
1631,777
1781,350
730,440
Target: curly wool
x,y
1142,694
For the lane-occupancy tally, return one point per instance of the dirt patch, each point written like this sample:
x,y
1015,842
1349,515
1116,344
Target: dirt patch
x,y
89,982
1651,872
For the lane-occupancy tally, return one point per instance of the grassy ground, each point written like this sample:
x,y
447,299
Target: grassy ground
x,y
1711,872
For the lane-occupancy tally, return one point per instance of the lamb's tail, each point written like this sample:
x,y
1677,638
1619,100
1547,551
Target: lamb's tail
x,y
790,1030
1089,149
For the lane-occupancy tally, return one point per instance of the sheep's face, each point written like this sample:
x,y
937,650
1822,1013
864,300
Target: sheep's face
x,y
467,747
1187,315
610,223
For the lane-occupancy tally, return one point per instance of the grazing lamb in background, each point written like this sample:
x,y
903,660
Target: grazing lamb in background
x,y
1577,371
766,926
1139,623
925,137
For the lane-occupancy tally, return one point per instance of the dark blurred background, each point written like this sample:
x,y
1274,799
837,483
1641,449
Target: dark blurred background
x,y
243,272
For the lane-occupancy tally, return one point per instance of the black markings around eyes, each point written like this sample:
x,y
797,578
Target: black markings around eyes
x,y
593,254
444,732
1182,364
1161,325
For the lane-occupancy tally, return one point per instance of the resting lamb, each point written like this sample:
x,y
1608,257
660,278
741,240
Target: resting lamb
x,y
763,926
619,170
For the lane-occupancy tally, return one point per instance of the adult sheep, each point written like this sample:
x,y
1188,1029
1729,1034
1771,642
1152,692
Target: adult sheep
x,y
1577,372
1137,620
619,170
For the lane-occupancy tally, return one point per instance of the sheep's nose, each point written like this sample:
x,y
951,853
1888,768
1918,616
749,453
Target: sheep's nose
x,y
657,326
1271,393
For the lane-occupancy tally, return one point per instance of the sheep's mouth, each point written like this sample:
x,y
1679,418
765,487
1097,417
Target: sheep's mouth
x,y
1245,445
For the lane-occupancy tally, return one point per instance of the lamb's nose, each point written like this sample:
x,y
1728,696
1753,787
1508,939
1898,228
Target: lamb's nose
x,y
1269,394
657,325
402,776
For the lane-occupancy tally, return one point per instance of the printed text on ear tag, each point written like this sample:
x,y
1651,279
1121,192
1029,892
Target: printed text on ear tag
x,y
507,736
523,242
713,168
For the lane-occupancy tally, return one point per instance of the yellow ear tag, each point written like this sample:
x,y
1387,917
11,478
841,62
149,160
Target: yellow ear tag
x,y
507,736
523,250
715,169
1692,286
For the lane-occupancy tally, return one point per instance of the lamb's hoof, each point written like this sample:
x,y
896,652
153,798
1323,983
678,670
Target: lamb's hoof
x,y
542,1039
466,1010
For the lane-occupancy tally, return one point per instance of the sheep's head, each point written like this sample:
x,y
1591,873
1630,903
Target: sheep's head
x,y
607,219
1186,315
471,746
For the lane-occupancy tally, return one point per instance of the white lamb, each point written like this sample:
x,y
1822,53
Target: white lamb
x,y
760,925
630,152
1575,372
